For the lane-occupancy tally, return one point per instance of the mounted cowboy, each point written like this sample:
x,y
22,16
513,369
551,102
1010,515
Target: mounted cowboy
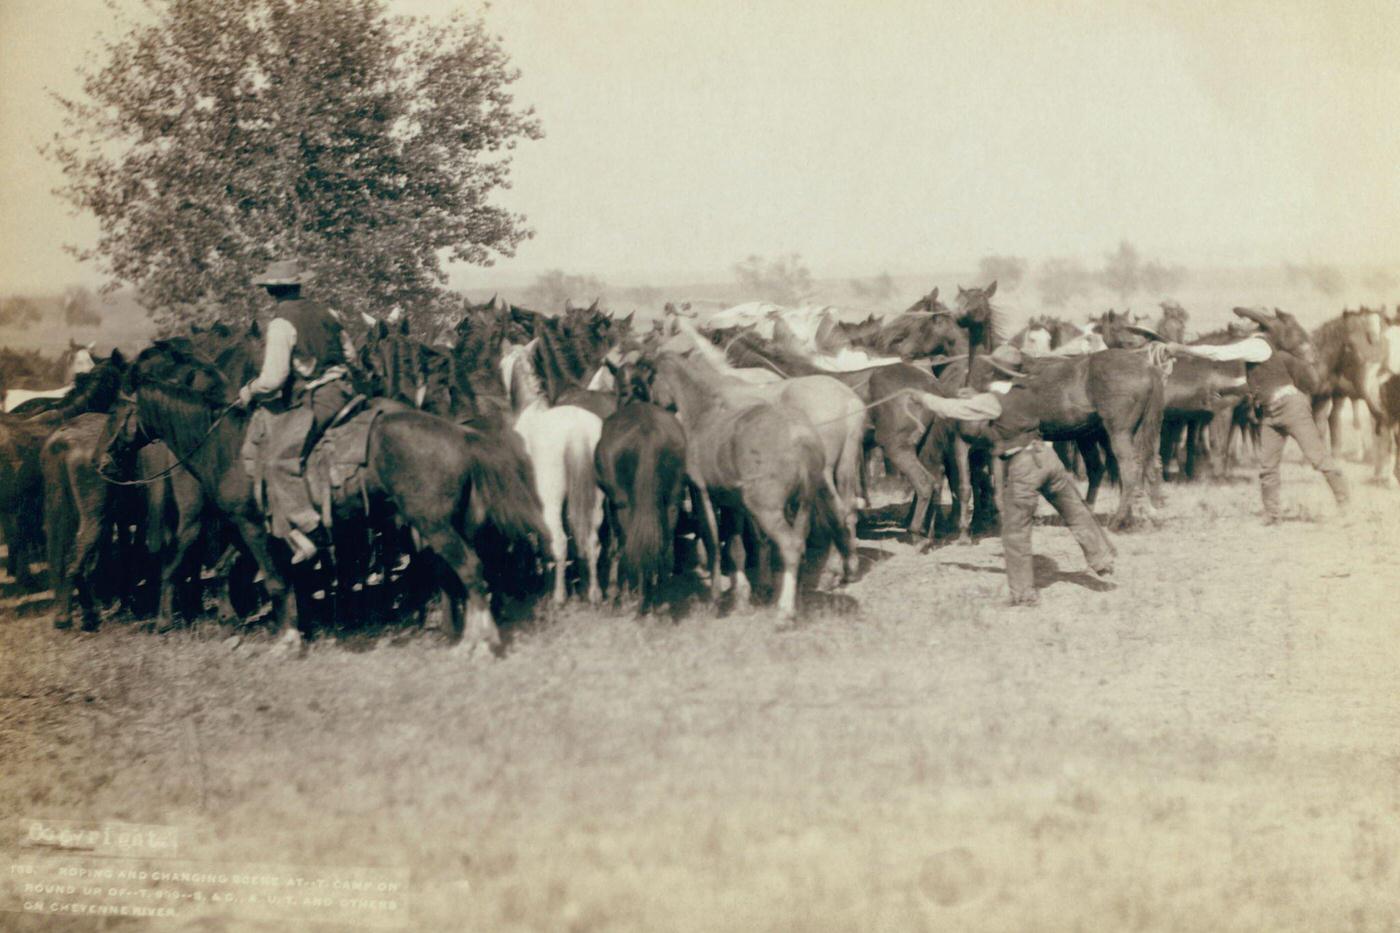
x,y
1027,469
1281,385
305,369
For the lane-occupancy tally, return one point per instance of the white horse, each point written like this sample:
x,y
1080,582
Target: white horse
x,y
559,441
79,361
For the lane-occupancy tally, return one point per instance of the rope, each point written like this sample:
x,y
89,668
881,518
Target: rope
x,y
179,462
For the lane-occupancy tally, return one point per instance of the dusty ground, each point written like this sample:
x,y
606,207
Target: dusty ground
x,y
1213,745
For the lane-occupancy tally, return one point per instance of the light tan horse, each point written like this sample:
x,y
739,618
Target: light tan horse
x,y
833,410
757,461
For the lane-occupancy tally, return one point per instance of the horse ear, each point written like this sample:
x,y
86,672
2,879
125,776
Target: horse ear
x,y
369,321
381,330
403,326
594,306
991,290
255,329
933,295
116,359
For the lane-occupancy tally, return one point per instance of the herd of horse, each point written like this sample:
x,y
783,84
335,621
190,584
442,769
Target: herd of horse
x,y
532,453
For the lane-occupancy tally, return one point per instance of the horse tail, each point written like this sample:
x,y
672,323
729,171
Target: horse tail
x,y
581,479
502,489
643,548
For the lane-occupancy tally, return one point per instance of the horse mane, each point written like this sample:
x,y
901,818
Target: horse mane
x,y
557,363
750,349
705,351
181,416
521,371
97,389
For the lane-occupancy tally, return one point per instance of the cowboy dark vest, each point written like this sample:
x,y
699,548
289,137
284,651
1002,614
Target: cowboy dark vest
x,y
1268,377
318,337
1018,424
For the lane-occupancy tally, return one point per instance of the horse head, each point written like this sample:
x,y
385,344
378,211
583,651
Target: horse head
x,y
1123,331
975,314
78,359
1172,325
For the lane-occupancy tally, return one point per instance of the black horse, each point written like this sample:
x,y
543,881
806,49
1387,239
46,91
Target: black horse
x,y
640,460
21,441
445,481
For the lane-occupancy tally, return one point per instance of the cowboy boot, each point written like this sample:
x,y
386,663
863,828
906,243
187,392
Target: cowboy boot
x,y
1340,490
1269,492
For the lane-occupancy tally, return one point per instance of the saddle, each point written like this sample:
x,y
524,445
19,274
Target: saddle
x,y
335,469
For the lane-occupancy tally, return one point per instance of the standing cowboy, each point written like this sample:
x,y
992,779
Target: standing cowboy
x,y
1281,385
1027,469
305,361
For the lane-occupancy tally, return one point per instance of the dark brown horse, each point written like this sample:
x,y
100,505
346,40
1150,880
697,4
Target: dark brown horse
x,y
443,480
640,459
1114,395
21,476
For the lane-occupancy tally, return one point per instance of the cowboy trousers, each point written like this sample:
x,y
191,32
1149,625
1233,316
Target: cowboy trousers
x,y
1032,472
1288,415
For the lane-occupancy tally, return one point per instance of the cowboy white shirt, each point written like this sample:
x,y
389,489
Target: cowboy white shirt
x,y
1249,350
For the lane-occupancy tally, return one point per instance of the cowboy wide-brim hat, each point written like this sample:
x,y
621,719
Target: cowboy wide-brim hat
x,y
1006,359
284,272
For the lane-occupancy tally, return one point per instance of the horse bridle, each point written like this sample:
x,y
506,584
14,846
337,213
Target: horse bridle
x,y
179,461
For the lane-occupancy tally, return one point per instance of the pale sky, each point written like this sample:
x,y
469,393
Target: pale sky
x,y
878,135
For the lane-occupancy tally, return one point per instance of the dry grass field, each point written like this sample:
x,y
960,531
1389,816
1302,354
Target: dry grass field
x,y
1214,744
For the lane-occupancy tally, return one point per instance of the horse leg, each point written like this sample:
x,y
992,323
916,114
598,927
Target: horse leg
x,y
479,630
173,565
738,554
845,479
1093,467
790,541
1171,440
906,460
284,607
1334,425
1129,474
594,549
709,528
963,452
551,490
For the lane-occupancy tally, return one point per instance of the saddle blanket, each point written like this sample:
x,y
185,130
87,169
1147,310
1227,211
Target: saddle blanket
x,y
342,453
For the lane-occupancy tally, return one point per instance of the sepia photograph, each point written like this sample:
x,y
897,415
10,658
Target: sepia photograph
x,y
656,465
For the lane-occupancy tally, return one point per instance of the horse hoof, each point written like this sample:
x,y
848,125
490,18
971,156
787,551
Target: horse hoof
x,y
62,623
476,652
89,625
289,644
965,540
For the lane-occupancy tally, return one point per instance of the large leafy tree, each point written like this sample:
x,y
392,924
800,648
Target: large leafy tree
x,y
215,135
